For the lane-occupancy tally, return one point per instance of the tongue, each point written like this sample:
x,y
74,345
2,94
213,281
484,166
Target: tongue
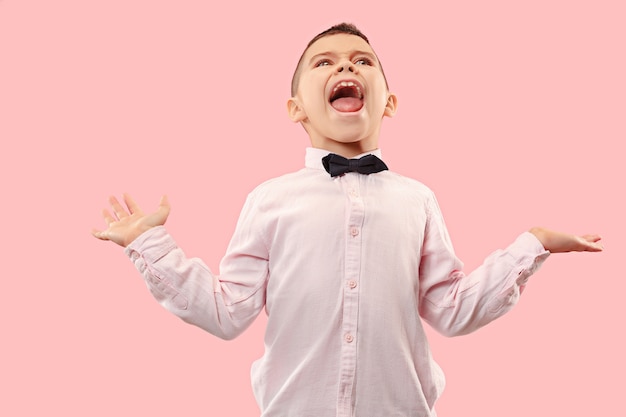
x,y
347,104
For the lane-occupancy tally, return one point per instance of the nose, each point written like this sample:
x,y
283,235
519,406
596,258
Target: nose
x,y
346,66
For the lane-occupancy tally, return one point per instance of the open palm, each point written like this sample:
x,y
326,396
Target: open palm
x,y
126,224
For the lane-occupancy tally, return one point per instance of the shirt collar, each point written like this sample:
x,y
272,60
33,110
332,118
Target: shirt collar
x,y
313,157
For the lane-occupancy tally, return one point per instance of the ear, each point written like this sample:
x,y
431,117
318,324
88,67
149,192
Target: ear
x,y
295,110
391,106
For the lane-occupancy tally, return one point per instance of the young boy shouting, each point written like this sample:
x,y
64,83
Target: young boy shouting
x,y
344,255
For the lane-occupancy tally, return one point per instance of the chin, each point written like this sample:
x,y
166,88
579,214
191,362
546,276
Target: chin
x,y
352,132
350,138
341,134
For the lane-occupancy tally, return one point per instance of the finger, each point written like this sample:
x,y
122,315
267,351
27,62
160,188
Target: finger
x,y
100,234
592,238
130,203
108,218
590,243
117,208
596,246
164,203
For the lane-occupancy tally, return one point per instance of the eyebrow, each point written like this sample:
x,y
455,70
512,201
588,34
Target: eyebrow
x,y
351,53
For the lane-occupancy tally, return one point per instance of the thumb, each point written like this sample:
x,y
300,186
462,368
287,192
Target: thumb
x,y
163,211
164,204
99,234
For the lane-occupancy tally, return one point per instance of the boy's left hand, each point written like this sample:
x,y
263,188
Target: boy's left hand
x,y
557,242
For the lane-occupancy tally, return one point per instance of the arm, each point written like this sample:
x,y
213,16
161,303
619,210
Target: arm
x,y
455,303
223,305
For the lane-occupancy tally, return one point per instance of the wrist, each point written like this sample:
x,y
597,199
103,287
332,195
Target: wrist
x,y
131,237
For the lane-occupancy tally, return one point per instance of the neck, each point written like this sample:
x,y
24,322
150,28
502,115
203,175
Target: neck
x,y
347,150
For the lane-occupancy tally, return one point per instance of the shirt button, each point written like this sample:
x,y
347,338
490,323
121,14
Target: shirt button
x,y
353,193
352,284
354,231
349,338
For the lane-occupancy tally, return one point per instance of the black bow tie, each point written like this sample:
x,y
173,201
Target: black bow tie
x,y
338,165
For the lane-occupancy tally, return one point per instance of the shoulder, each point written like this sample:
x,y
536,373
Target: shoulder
x,y
285,186
289,180
407,185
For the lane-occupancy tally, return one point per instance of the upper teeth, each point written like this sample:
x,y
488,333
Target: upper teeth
x,y
348,84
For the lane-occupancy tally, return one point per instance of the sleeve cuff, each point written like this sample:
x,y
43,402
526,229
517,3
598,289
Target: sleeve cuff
x,y
530,255
152,245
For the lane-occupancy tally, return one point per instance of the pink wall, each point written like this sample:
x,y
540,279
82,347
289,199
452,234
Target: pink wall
x,y
514,115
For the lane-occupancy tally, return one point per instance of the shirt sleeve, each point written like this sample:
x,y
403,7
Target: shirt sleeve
x,y
224,305
455,303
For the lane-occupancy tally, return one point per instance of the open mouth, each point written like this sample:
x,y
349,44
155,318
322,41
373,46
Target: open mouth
x,y
347,96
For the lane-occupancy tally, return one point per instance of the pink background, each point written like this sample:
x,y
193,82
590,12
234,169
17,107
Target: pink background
x,y
513,112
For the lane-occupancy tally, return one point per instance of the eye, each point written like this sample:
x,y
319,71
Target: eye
x,y
363,61
322,63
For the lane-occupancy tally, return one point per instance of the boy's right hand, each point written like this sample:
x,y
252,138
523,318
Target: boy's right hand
x,y
125,226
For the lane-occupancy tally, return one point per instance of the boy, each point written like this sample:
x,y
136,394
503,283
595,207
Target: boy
x,y
344,255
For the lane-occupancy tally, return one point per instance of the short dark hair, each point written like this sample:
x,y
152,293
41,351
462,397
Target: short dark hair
x,y
345,28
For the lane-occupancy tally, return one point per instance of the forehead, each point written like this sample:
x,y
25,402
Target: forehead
x,y
340,43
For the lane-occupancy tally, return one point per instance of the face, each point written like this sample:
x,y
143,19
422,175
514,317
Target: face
x,y
342,96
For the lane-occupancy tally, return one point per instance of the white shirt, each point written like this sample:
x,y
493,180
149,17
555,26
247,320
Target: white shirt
x,y
344,267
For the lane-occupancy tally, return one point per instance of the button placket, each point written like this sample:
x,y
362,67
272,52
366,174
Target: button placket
x,y
352,262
